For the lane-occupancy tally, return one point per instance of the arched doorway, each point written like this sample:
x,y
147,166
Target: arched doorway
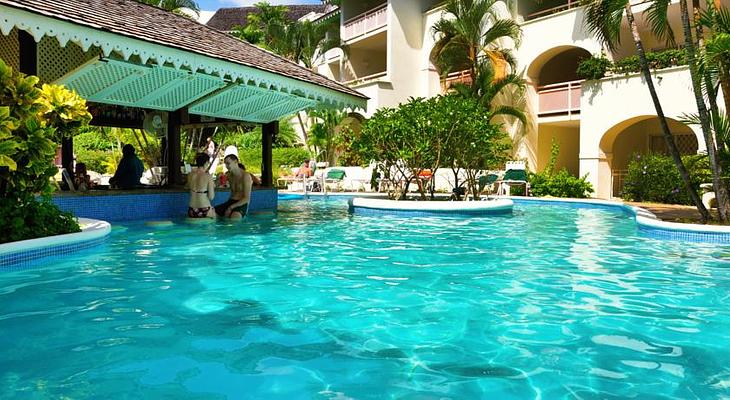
x,y
556,89
638,136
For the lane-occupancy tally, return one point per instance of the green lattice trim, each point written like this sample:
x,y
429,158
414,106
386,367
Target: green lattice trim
x,y
39,26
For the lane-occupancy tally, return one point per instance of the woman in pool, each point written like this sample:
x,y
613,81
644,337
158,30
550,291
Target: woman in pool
x,y
202,189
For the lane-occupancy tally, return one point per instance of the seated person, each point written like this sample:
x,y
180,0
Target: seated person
x,y
304,171
254,179
129,170
202,189
240,182
82,180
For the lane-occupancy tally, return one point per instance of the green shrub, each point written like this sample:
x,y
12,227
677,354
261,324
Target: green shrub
x,y
596,67
291,156
32,120
655,178
560,184
95,160
593,68
38,218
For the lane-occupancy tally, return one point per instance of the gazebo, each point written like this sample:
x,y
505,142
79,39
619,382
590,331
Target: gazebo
x,y
130,58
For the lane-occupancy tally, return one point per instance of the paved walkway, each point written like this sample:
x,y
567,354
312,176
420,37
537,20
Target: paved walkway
x,y
671,212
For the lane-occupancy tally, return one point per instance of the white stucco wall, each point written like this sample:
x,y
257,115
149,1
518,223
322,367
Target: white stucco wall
x,y
611,104
551,34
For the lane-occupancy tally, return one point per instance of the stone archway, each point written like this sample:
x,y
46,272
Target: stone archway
x,y
640,135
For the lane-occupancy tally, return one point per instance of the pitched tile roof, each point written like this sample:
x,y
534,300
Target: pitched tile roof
x,y
225,19
136,20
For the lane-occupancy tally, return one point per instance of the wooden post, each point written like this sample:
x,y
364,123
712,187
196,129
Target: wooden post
x,y
28,62
174,177
268,133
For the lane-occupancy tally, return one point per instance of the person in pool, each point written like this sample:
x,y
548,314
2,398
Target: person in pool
x,y
240,182
202,189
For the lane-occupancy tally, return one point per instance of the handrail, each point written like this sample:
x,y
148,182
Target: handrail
x,y
366,78
571,4
363,15
559,105
362,19
561,85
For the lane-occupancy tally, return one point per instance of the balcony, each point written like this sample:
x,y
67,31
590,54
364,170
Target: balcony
x,y
553,10
366,79
559,99
453,78
365,23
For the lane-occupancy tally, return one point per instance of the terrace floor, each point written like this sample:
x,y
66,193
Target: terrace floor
x,y
672,212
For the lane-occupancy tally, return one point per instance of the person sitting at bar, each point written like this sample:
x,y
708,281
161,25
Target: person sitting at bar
x,y
129,170
82,180
240,182
202,189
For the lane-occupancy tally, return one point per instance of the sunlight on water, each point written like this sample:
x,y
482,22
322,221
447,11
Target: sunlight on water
x,y
550,302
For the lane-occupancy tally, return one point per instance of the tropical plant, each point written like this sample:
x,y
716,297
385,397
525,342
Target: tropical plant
x,y
445,131
31,119
603,18
652,178
326,134
703,85
558,183
487,87
471,32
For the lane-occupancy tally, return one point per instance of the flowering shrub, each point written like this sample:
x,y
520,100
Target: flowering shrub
x,y
654,178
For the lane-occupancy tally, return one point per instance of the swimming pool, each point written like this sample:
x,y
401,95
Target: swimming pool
x,y
549,302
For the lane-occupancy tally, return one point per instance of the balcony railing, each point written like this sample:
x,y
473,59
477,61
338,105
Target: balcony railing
x,y
455,77
367,78
559,98
542,13
365,23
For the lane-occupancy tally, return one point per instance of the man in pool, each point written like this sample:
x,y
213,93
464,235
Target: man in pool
x,y
240,182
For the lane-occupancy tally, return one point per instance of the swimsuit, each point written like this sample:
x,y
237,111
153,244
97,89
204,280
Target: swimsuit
x,y
201,212
220,209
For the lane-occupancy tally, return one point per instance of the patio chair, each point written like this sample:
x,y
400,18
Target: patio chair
x,y
515,175
334,176
487,182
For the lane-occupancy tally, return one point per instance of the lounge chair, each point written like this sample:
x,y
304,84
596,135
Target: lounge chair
x,y
487,182
515,175
334,176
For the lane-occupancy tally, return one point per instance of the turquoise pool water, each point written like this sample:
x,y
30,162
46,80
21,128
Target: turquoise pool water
x,y
551,302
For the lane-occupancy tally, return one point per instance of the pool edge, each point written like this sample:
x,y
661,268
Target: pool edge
x,y
18,253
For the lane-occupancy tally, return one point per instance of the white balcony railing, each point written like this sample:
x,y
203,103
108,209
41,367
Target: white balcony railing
x,y
364,79
559,98
365,23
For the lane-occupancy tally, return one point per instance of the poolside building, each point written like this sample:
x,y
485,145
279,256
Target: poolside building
x,y
598,124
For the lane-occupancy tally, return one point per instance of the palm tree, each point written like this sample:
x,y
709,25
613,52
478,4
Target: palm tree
x,y
703,83
603,19
487,88
474,32
175,6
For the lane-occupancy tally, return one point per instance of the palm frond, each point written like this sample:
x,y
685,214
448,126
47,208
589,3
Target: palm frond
x,y
656,14
603,19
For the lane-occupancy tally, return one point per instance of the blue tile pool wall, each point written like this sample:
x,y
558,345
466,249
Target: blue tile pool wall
x,y
697,237
127,207
27,258
377,212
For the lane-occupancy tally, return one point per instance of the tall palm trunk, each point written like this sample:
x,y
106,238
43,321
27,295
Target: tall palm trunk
x,y
724,72
721,191
668,138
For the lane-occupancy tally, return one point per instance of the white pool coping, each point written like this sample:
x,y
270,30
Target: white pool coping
x,y
642,216
91,229
432,206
